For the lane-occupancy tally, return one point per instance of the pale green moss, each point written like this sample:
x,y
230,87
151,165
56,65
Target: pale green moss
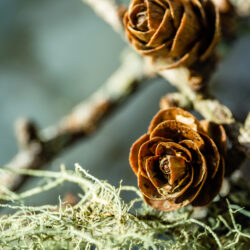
x,y
104,220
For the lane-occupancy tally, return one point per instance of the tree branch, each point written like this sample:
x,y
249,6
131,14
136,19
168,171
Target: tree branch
x,y
109,11
242,7
206,105
37,148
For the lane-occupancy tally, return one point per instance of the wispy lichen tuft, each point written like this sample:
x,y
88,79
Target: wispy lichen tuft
x,y
102,219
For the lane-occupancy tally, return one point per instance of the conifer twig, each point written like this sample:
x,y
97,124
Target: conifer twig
x,y
210,108
37,148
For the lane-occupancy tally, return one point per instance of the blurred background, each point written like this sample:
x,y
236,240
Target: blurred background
x,y
55,53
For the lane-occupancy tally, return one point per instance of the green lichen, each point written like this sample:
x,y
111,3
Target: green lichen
x,y
102,220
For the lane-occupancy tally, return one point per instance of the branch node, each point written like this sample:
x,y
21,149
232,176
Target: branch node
x,y
175,100
26,133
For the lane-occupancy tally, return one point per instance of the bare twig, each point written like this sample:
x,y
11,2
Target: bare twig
x,y
108,10
175,99
242,7
209,107
39,148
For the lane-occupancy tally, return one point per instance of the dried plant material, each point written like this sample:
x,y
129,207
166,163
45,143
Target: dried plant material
x,y
180,32
179,161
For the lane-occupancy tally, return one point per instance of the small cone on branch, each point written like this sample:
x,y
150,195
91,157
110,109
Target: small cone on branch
x,y
179,161
180,32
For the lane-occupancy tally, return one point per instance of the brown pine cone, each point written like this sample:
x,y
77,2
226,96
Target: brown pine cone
x,y
183,32
179,161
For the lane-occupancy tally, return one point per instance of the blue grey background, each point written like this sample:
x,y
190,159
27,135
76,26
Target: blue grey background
x,y
55,53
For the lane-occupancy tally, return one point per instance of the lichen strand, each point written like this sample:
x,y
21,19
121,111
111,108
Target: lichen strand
x,y
102,220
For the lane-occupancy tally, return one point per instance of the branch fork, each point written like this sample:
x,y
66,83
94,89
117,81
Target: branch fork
x,y
38,147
